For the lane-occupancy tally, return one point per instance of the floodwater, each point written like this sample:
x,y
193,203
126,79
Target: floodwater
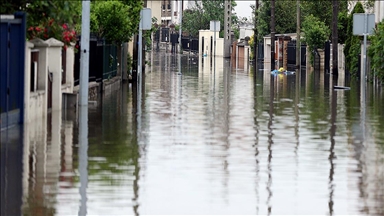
x,y
203,138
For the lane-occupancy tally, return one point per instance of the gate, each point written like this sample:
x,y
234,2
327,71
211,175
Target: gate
x,y
12,60
327,56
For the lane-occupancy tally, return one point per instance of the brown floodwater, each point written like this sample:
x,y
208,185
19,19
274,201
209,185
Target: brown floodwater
x,y
204,136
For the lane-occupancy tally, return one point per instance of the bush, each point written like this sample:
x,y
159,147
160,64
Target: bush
x,y
376,52
352,44
315,33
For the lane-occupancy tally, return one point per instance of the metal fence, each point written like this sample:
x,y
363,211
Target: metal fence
x,y
109,61
102,61
190,44
291,54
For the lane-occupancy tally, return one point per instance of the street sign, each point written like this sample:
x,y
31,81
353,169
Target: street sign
x,y
146,19
360,20
214,25
364,24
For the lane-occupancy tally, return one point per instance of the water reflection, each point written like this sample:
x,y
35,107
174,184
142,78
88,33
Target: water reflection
x,y
196,136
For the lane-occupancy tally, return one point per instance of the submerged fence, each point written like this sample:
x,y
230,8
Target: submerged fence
x,y
102,61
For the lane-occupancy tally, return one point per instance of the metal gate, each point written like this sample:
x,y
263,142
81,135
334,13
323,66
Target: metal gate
x,y
327,56
12,60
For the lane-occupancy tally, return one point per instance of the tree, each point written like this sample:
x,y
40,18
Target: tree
x,y
285,17
315,32
202,13
352,43
115,21
376,52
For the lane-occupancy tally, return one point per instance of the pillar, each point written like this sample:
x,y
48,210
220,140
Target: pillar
x,y
54,67
42,71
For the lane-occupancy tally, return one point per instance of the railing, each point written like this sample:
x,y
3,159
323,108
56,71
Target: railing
x,y
109,61
102,61
190,44
291,54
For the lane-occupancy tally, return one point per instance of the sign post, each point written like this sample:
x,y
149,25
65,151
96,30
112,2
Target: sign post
x,y
145,24
364,24
214,26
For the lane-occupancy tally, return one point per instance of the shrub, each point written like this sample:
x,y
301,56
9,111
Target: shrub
x,y
315,33
376,52
352,43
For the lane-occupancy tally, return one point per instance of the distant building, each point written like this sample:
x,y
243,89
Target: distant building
x,y
162,10
378,9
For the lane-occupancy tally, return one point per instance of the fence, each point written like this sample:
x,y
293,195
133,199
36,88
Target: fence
x,y
12,61
291,54
316,60
190,44
109,61
102,61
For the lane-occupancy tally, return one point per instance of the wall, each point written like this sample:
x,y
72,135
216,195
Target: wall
x,y
244,32
379,11
207,34
155,7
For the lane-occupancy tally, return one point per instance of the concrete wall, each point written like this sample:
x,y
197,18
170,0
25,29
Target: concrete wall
x,y
35,102
207,34
67,87
54,68
49,62
155,6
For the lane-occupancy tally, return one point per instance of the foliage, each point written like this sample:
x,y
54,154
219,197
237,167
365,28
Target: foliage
x,y
316,33
148,33
251,42
129,63
342,26
46,19
115,21
285,17
352,43
202,13
376,52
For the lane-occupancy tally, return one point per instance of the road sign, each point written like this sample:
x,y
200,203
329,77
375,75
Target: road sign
x,y
363,24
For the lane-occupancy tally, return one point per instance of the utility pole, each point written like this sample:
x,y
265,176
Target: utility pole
x,y
84,55
272,34
255,32
227,28
298,44
335,37
180,24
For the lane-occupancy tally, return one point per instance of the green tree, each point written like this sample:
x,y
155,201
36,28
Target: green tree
x,y
376,52
285,16
202,13
115,21
315,32
352,43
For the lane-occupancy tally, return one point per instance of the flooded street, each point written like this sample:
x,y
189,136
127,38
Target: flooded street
x,y
203,138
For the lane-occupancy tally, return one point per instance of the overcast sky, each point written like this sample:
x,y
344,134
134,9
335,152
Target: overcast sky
x,y
243,8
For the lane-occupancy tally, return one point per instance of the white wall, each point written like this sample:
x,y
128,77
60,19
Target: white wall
x,y
207,34
35,102
54,67
244,32
155,7
379,11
